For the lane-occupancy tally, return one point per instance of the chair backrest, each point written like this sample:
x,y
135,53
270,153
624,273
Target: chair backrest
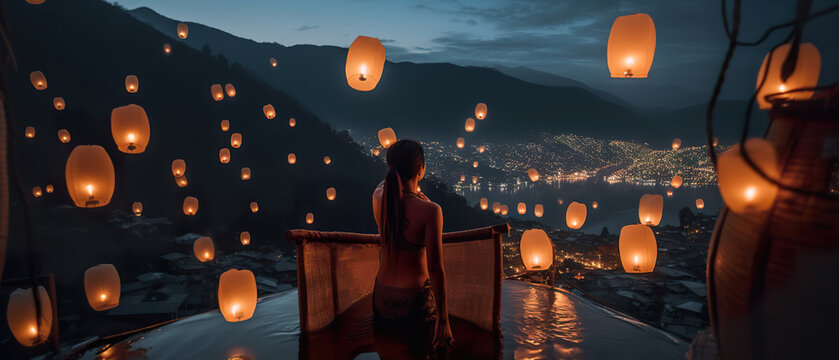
x,y
335,269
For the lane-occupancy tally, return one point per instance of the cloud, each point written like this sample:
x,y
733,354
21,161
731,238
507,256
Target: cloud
x,y
308,27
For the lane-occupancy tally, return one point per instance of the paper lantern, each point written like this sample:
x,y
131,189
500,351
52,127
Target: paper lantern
x,y
38,80
716,141
669,192
29,132
181,181
22,316
575,215
269,112
292,122
330,193
474,179
49,189
204,249
462,177
700,204
365,62
327,160
37,192
743,189
137,208
89,175
538,210
190,205
481,111
310,218
677,143
292,158
560,201
216,92
470,125
245,238
183,30
225,125
130,128
484,203
178,167
676,182
230,90
460,143
235,140
481,149
63,136
237,295
537,251
224,155
594,205
504,210
387,137
254,206
475,164
273,62
496,207
631,46
132,83
533,175
521,208
58,103
638,249
102,287
806,74
167,48
35,2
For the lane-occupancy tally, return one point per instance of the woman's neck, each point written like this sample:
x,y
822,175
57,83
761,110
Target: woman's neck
x,y
410,186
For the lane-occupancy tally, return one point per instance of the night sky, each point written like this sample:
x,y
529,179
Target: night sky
x,y
566,38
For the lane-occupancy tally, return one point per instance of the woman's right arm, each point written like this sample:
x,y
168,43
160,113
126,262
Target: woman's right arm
x,y
434,257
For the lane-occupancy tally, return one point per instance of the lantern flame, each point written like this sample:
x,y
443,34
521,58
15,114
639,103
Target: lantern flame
x,y
89,190
751,192
103,296
362,76
782,88
33,330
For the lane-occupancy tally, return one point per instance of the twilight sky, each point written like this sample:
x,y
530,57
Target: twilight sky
x,y
563,37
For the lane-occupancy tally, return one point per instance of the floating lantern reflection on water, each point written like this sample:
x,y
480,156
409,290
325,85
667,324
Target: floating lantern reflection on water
x,y
496,207
132,83
49,189
480,111
245,238
330,193
216,92
130,128
246,173
538,210
504,210
292,158
39,81
521,208
292,122
63,136
224,155
484,203
167,48
89,175
470,125
387,137
742,188
178,167
237,295
137,208
575,215
310,218
537,251
37,192
327,160
365,62
254,206
533,175
183,30
650,208
181,181
225,125
235,140
58,103
102,287
700,204
638,249
676,182
22,316
204,249
631,46
230,90
190,205
677,143
29,132
460,143
806,74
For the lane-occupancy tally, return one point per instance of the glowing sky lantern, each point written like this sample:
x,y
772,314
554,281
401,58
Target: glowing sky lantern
x,y
310,218
677,143
167,49
594,205
669,192
475,164
37,192
246,173
178,167
237,295
181,181
504,210
521,208
742,188
484,203
254,206
460,143
638,249
102,287
481,149
273,62
216,92
58,103
35,2
224,155
474,179
330,193
292,158
204,249
137,208
292,122
538,210
716,141
631,46
496,207
230,90
575,215
462,177
39,81
225,125
235,140
63,136
470,125
132,83
29,132
269,112
49,189
183,30
480,111
537,251
676,182
533,175
89,175
387,137
365,62
560,201
130,128
806,74
700,204
190,205
327,160
22,316
245,238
